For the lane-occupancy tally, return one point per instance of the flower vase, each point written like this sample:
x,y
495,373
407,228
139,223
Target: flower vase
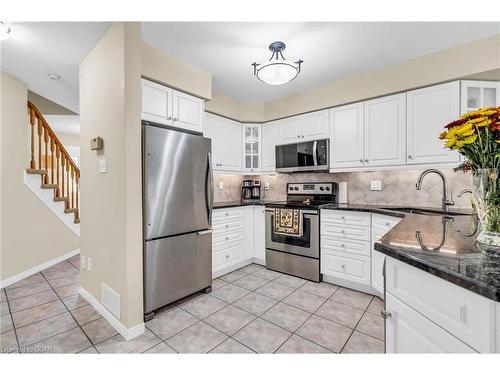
x,y
486,200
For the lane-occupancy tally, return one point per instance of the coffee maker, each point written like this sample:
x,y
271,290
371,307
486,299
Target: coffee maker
x,y
250,190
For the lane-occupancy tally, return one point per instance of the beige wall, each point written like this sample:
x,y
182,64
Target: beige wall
x,y
240,111
168,70
467,60
46,106
69,139
111,231
30,233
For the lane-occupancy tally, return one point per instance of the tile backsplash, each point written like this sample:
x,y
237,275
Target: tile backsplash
x,y
398,187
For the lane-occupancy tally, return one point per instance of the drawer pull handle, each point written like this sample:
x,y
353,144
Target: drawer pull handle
x,y
343,245
227,225
342,217
343,266
342,231
227,238
227,255
388,224
385,314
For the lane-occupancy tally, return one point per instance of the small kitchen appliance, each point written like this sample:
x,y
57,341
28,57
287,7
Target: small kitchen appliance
x,y
250,190
298,254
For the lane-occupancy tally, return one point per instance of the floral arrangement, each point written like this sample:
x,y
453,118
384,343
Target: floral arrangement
x,y
477,137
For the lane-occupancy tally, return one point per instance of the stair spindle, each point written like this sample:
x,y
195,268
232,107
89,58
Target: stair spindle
x,y
52,161
72,187
32,145
67,183
46,156
58,154
39,142
77,188
62,175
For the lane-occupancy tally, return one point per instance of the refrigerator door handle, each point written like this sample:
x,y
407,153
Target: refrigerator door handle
x,y
208,231
209,189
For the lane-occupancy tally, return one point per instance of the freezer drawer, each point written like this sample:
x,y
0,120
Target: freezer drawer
x,y
176,267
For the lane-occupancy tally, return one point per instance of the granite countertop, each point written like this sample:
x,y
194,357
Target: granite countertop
x,y
447,247
238,203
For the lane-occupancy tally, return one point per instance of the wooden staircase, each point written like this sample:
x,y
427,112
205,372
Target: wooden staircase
x,y
55,166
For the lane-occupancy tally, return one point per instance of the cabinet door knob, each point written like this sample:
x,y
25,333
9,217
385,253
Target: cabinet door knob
x,y
298,136
342,217
367,161
343,266
385,314
387,224
342,245
227,238
175,118
169,117
227,255
361,161
342,231
227,225
410,157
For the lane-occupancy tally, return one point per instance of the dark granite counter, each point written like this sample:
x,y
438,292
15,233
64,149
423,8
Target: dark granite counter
x,y
229,204
441,245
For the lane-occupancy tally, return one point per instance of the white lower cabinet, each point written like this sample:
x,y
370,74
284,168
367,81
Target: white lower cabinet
x,y
345,248
429,314
238,238
259,234
407,331
381,224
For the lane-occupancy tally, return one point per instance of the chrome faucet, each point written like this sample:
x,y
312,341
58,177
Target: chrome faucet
x,y
465,191
447,198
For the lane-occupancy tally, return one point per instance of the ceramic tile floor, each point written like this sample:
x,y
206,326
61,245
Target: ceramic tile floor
x,y
251,310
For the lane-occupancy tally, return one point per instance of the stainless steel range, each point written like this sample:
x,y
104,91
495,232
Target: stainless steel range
x,y
298,254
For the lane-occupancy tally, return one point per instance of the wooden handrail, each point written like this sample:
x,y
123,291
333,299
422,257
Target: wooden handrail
x,y
55,173
35,113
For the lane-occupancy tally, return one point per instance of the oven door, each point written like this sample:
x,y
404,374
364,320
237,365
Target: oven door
x,y
304,156
306,245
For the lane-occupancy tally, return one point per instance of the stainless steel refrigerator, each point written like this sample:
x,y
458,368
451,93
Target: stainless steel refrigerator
x,y
177,210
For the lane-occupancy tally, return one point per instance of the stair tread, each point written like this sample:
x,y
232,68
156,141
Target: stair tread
x,y
61,199
36,171
48,186
70,210
76,221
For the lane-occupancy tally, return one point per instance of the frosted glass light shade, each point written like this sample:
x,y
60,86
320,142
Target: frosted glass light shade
x,y
277,72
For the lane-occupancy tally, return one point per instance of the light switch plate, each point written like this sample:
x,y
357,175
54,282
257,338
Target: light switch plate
x,y
89,264
103,166
266,185
83,261
376,185
221,185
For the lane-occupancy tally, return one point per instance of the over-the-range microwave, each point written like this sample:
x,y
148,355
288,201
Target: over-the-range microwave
x,y
309,156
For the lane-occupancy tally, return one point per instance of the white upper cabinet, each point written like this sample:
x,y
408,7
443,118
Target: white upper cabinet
x,y
385,131
347,136
268,154
226,142
478,94
428,111
288,131
302,128
314,125
156,103
251,147
187,112
170,107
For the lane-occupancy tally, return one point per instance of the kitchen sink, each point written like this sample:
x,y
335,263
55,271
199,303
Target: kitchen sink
x,y
424,211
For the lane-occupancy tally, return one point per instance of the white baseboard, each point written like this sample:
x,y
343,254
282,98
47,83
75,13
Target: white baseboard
x,y
234,267
259,261
32,181
127,333
14,279
350,284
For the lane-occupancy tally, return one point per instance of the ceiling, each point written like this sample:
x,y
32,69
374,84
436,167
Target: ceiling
x,y
330,51
36,49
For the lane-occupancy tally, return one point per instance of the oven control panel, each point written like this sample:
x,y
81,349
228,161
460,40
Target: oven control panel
x,y
322,188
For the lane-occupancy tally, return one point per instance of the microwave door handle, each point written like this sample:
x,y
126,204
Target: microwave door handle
x,y
315,153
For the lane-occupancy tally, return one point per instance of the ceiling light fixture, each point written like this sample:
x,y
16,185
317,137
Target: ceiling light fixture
x,y
277,70
54,77
5,31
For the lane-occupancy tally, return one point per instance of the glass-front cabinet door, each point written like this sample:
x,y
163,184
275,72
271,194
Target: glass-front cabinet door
x,y
251,147
479,94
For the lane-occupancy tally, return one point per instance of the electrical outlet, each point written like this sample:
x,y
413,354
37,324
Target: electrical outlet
x,y
221,185
89,264
83,262
376,185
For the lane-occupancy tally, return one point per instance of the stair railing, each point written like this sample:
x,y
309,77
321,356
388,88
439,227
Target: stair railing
x,y
57,169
